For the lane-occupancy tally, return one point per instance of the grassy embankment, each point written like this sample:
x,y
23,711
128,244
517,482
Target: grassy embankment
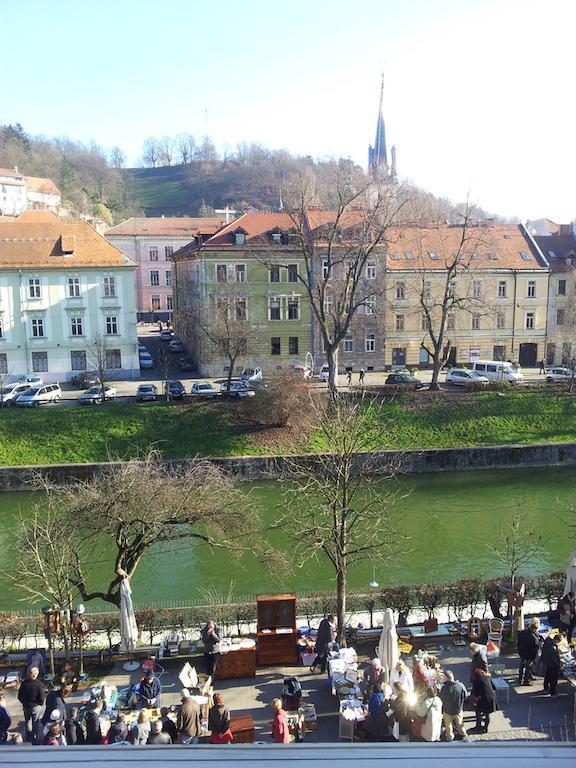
x,y
73,434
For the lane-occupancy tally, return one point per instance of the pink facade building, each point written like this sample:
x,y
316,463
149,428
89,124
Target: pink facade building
x,y
151,243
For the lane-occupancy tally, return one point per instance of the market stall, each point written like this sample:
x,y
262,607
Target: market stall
x,y
237,659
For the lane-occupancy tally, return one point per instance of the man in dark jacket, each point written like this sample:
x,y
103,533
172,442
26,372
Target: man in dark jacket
x,y
56,699
189,719
157,735
211,639
552,663
150,690
168,725
73,730
453,694
528,647
93,725
31,696
324,640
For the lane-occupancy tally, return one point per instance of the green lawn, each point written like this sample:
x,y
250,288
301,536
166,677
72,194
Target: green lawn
x,y
79,434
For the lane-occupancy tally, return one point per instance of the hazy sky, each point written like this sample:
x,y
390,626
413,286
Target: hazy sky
x,y
478,99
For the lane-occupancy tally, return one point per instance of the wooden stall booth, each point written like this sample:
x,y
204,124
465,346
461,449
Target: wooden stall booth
x,y
276,619
237,659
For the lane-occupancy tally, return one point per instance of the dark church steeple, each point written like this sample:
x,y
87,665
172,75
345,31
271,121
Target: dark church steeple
x,y
378,154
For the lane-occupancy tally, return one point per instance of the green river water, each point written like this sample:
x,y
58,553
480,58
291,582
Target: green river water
x,y
450,519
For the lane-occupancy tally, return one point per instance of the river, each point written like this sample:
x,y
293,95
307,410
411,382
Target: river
x,y
450,520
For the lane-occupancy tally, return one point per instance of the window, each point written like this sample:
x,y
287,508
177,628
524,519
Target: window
x,y
241,310
475,322
221,273
450,323
399,322
40,362
477,289
73,287
155,302
427,289
408,255
370,305
561,287
111,326
529,320
370,271
275,345
499,353
153,252
394,256
349,344
400,291
452,288
109,287
169,302
328,301
78,360
3,362
370,343
424,356
525,255
168,251
168,276
433,255
326,267
154,277
292,273
76,325
113,359
274,274
34,288
559,317
276,237
424,324
502,289
239,238
293,345
274,309
552,254
293,309
37,327
240,272
500,320
531,289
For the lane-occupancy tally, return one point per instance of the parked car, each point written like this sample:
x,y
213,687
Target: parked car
x,y
142,348
464,377
177,346
559,374
95,396
203,389
323,375
35,396
32,379
237,389
11,392
404,380
496,370
166,334
85,379
146,392
146,360
186,364
302,370
174,390
250,375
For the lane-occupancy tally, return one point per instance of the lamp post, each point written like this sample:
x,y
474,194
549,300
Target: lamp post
x,y
373,587
80,611
48,612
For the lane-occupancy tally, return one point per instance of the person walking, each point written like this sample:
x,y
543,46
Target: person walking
x,y
361,375
485,699
542,367
31,696
528,645
349,377
189,722
552,663
280,733
324,641
453,694
211,638
219,722
157,735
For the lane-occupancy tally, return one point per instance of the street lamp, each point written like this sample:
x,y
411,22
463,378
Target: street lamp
x,y
373,587
48,612
80,610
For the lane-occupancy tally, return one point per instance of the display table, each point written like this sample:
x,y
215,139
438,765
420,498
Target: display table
x,y
242,727
238,660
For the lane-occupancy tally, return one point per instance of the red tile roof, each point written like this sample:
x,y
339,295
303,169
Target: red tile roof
x,y
255,224
159,226
41,186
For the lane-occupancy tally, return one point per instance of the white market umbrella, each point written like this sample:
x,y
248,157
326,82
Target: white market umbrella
x,y
128,627
571,575
388,645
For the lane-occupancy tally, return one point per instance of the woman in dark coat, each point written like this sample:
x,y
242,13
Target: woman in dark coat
x,y
486,702
324,640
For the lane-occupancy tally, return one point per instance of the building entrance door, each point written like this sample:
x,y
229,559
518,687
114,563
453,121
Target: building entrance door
x,y
528,356
399,356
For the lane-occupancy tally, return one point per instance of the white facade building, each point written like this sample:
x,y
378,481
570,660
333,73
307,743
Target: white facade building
x,y
19,193
63,287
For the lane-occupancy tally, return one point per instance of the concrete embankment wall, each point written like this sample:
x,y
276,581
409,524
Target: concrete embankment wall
x,y
278,467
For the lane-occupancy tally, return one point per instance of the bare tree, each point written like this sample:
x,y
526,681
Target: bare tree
x,y
98,360
515,544
164,361
334,508
185,146
151,151
117,158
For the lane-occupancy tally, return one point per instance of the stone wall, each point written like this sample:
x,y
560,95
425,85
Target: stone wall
x,y
277,467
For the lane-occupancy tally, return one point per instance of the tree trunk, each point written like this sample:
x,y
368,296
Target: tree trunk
x,y
341,605
332,358
436,370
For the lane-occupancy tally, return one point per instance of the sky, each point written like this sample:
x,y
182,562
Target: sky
x,y
479,94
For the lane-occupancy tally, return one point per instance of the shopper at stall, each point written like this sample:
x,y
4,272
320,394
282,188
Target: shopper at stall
x,y
552,663
373,675
92,723
157,735
54,736
528,646
118,730
73,730
280,733
453,694
150,690
5,719
484,698
401,674
31,696
219,722
56,700
376,699
380,724
567,611
141,728
189,721
324,642
168,725
211,638
479,659
402,710
427,713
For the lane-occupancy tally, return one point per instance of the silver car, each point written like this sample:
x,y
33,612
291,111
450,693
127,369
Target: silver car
x,y
464,377
35,396
559,374
94,395
11,392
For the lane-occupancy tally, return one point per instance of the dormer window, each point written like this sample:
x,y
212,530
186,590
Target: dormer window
x,y
239,237
276,237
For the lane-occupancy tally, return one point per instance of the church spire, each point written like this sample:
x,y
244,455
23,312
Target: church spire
x,y
378,154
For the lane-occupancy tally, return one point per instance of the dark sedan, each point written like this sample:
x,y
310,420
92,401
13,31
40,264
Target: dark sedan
x,y
186,364
404,380
174,390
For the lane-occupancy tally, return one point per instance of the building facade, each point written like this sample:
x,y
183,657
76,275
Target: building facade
x,y
151,243
64,291
19,193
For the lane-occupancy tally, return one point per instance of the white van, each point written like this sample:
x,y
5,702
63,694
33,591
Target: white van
x,y
496,370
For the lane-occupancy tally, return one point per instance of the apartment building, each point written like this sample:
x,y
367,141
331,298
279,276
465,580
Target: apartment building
x,y
63,287
19,193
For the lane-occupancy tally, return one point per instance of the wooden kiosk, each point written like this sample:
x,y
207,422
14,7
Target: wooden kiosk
x,y
276,617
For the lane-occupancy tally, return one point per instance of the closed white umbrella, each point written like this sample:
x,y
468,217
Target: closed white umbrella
x,y
571,575
388,645
128,626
